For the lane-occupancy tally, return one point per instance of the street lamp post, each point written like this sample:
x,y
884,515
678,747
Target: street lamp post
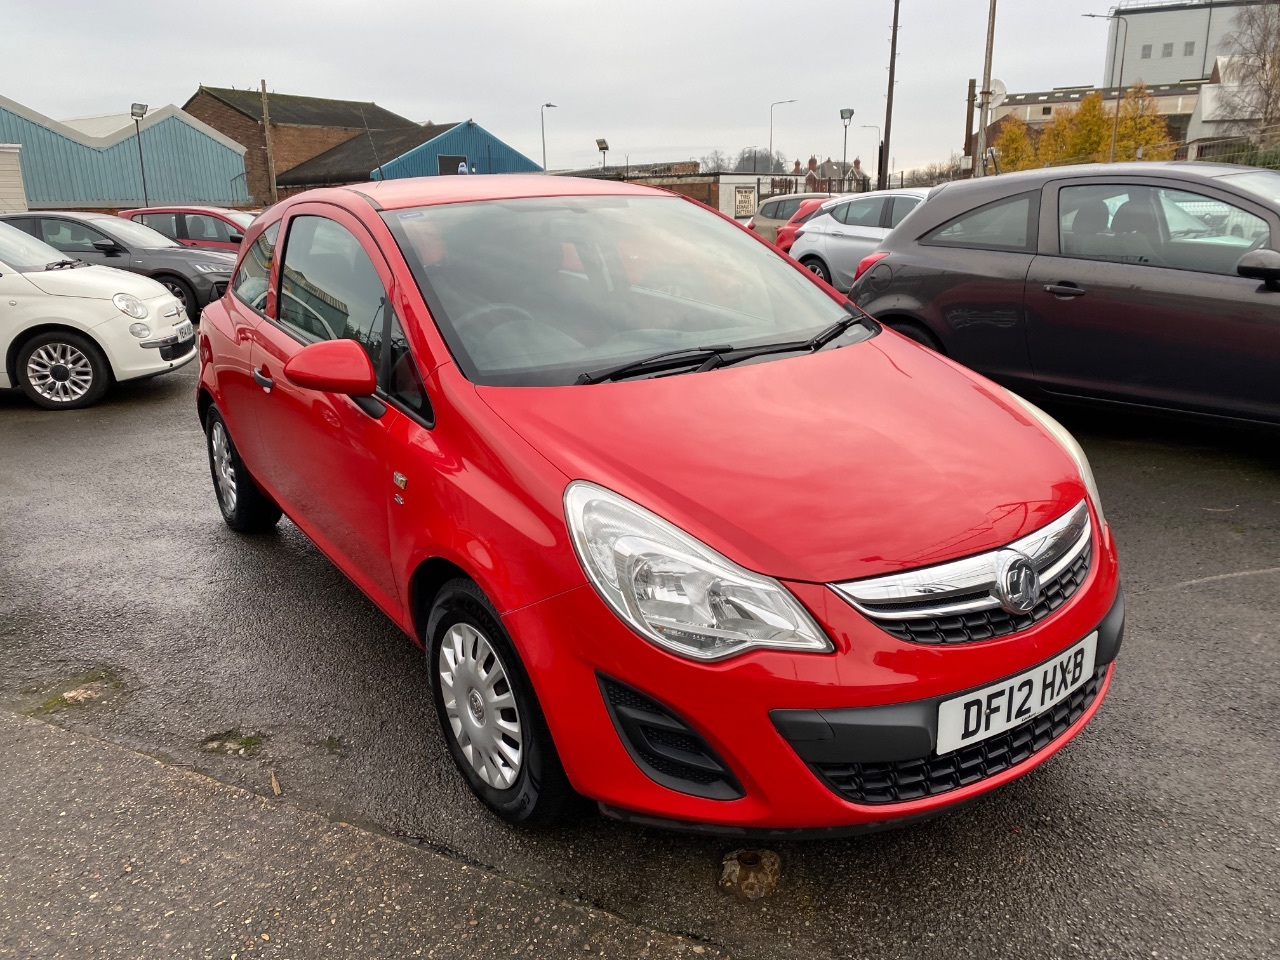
x,y
879,154
603,146
542,115
776,103
846,114
138,111
1115,124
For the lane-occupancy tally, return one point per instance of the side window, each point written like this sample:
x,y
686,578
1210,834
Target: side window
x,y
203,227
399,378
1207,234
328,286
863,213
254,273
788,208
901,207
166,223
1091,226
769,210
1003,225
68,237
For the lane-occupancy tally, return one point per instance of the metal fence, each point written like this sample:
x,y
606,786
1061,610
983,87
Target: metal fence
x,y
767,187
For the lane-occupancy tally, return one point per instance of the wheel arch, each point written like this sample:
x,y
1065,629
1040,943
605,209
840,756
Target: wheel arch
x,y
20,338
424,586
895,319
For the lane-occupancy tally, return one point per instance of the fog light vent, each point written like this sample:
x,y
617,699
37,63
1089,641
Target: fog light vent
x,y
667,749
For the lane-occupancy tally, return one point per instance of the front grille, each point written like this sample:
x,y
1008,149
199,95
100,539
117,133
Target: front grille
x,y
988,624
902,780
173,351
666,748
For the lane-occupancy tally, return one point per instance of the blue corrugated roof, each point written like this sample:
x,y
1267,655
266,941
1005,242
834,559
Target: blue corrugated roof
x,y
485,152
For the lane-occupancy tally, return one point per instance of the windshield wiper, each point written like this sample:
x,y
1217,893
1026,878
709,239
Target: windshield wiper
x,y
812,345
59,264
659,361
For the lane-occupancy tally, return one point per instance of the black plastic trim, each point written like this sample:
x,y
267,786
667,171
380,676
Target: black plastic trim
x,y
899,731
656,736
371,406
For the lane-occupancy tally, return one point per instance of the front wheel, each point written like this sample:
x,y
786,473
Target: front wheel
x,y
186,296
61,370
817,268
245,508
488,712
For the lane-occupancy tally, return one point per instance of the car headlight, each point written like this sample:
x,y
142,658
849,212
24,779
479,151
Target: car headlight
x,y
676,591
1069,444
140,330
129,304
213,267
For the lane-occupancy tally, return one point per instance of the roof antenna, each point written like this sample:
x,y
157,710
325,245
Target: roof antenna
x,y
372,145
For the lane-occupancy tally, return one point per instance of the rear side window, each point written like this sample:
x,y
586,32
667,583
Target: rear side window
x,y
862,213
329,288
1003,225
165,223
901,207
254,273
787,208
201,226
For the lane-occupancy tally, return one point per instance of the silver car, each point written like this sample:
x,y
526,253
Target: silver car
x,y
846,229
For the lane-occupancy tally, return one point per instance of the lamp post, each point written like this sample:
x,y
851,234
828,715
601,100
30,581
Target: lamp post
x,y
776,103
879,155
603,146
846,114
138,111
542,115
1115,125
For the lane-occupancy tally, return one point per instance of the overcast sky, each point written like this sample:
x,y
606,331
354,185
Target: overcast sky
x,y
659,79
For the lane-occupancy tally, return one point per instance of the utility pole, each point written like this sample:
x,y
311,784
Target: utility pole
x,y
968,123
266,133
888,110
984,113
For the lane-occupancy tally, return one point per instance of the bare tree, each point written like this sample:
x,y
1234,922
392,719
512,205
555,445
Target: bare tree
x,y
713,162
934,173
756,160
1250,92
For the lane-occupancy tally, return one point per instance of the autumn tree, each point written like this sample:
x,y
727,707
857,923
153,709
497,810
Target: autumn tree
x,y
1013,146
1142,128
1084,135
1251,93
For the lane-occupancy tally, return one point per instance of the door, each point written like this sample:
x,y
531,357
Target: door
x,y
1137,298
77,240
855,230
208,230
323,456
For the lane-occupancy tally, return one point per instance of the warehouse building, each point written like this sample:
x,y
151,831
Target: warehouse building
x,y
100,162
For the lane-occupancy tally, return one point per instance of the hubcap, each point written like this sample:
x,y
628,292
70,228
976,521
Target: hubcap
x,y
224,468
59,372
480,705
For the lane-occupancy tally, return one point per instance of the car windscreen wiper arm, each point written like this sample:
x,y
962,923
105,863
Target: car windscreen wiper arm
x,y
659,361
812,345
59,264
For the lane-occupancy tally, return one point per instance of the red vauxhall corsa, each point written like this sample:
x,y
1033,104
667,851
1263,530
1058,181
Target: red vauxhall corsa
x,y
679,529
804,213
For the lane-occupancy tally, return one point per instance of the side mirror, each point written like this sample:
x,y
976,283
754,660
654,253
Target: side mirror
x,y
1261,265
236,238
109,247
333,366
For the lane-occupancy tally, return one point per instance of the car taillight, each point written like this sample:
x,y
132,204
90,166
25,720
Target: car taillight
x,y
867,263
751,224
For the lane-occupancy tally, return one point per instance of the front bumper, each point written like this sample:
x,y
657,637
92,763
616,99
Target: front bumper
x,y
878,689
162,351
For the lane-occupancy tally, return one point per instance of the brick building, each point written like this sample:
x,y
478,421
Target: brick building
x,y
301,127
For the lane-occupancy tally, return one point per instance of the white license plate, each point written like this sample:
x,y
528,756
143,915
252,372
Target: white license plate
x,y
991,711
185,332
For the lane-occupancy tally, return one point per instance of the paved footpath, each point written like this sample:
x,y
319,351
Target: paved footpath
x,y
108,853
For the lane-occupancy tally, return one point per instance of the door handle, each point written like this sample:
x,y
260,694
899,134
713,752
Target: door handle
x,y
1067,289
264,381
837,233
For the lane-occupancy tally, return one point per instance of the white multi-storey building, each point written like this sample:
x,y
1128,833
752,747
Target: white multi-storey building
x,y
1169,41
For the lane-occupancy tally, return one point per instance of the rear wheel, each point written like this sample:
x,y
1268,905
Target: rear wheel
x,y
61,370
488,712
817,268
244,507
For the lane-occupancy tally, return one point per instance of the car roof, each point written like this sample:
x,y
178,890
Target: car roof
x,y
921,192
428,191
183,208
69,214
1183,169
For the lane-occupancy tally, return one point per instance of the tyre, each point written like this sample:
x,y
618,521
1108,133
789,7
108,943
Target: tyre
x,y
186,296
817,268
245,508
917,332
62,370
488,712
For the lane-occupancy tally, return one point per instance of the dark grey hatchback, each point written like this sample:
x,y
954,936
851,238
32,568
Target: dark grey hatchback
x,y
1146,284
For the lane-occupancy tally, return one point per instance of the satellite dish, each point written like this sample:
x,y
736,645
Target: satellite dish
x,y
998,92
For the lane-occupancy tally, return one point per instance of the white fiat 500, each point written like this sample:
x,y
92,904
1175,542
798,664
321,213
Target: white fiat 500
x,y
68,330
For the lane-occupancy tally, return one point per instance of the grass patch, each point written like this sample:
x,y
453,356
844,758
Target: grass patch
x,y
235,743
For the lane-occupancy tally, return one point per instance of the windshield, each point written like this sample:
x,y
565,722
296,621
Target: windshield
x,y
1263,183
133,234
537,291
23,252
241,219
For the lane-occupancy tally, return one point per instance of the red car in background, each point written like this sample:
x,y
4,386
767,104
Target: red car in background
x,y
621,502
215,227
804,213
